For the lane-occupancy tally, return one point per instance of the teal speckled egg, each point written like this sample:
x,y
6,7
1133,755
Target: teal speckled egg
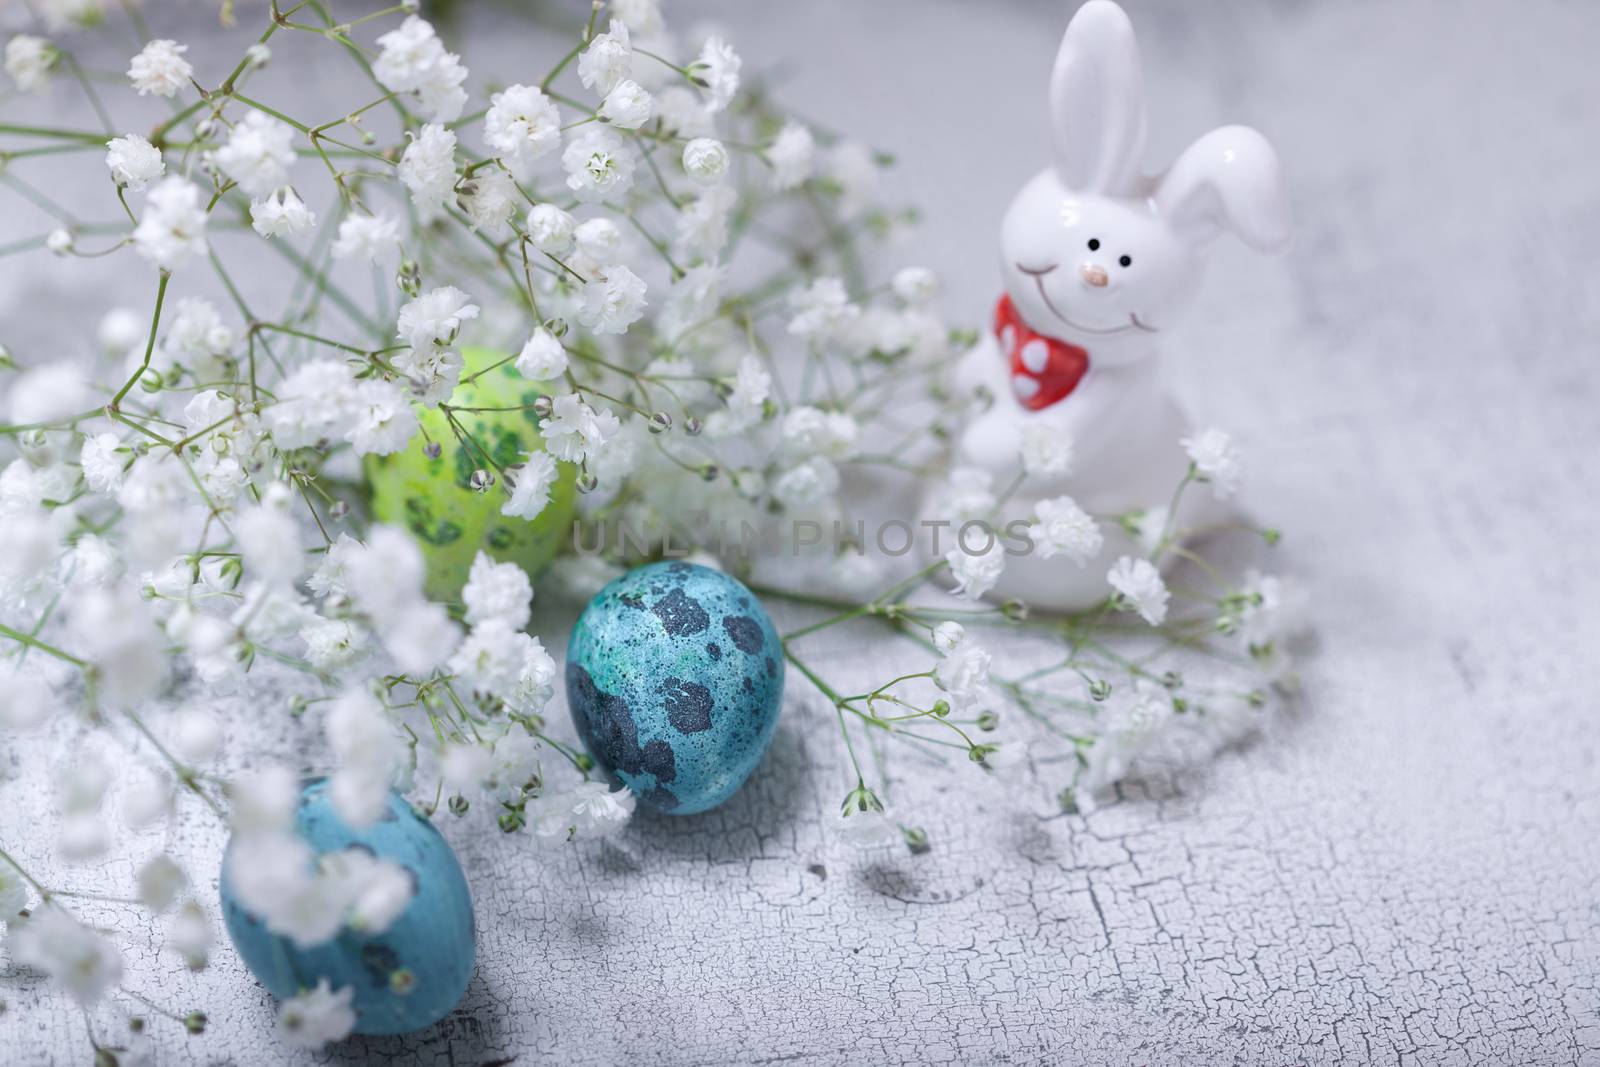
x,y
675,680
408,977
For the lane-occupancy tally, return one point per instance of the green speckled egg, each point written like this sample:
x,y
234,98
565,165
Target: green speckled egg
x,y
433,497
675,681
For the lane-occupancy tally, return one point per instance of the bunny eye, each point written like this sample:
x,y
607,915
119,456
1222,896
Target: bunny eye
x,y
1126,261
1094,244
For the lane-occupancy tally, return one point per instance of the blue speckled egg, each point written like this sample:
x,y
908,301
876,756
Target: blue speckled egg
x,y
675,679
408,977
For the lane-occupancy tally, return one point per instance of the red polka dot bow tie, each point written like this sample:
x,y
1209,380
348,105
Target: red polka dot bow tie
x,y
1043,369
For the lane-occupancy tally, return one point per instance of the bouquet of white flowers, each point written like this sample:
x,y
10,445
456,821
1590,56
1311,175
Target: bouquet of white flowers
x,y
682,275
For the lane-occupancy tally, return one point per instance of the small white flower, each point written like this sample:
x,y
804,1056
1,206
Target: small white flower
x,y
490,659
792,156
613,300
531,486
589,809
854,170
1273,608
490,198
702,226
1135,721
80,959
174,224
607,60
821,309
947,635
497,591
133,161
282,214
332,644
160,881
640,16
705,160
414,61
683,114
806,483
864,824
428,169
976,573
915,285
1046,451
598,166
258,55
435,317
536,681
30,61
746,404
58,241
543,357
258,154
551,229
1216,460
367,238
574,431
383,419
963,668
1065,529
317,1016
432,373
600,240
522,126
1141,587
160,68
831,433
264,800
627,106
196,735
716,71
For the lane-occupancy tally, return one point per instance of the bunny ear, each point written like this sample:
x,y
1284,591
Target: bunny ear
x,y
1228,179
1097,102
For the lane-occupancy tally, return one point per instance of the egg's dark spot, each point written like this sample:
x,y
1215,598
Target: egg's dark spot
x,y
657,758
661,799
688,705
631,600
681,614
772,668
714,650
747,685
606,723
746,633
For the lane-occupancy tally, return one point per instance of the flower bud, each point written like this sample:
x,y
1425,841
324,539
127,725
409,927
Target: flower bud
x,y
458,805
692,426
195,1022
587,483
482,480
433,450
988,721
660,422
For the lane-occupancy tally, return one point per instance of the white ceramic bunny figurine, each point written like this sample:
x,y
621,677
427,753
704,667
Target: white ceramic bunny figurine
x,y
1099,261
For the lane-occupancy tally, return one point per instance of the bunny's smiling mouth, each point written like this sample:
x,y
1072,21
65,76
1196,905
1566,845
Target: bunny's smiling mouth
x,y
1037,274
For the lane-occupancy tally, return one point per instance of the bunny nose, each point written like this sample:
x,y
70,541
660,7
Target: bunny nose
x,y
1094,274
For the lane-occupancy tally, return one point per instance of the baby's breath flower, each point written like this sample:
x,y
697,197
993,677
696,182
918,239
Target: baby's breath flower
x,y
613,300
976,572
174,224
258,153
791,155
598,166
963,668
542,357
551,229
59,241
428,169
821,310
160,68
1046,450
52,941
414,61
705,160
607,61
716,71
435,317
134,162
366,238
589,809
574,431
863,822
1216,460
600,240
1066,529
702,227
531,486
490,199
497,591
30,61
317,1016
627,106
1141,587
522,125
281,214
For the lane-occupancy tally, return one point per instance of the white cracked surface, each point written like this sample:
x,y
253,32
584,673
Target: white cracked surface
x,y
1403,872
